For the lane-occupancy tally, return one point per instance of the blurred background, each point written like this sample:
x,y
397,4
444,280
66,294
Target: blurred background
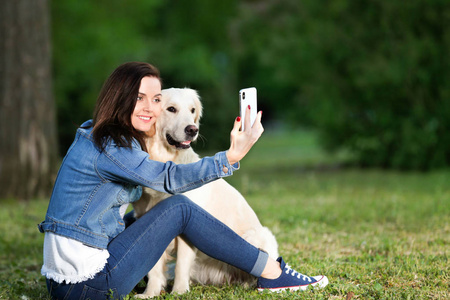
x,y
369,77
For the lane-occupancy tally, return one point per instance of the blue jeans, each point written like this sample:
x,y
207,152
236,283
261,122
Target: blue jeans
x,y
136,250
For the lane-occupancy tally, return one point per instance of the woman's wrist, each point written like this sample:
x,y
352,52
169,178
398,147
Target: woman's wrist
x,y
231,158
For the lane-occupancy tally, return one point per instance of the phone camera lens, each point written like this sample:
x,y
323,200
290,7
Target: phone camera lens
x,y
243,95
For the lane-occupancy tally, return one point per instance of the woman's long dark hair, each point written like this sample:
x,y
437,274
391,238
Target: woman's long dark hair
x,y
115,105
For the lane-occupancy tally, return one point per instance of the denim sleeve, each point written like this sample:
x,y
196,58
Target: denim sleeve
x,y
135,167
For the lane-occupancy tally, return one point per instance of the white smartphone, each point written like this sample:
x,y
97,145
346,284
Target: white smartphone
x,y
248,97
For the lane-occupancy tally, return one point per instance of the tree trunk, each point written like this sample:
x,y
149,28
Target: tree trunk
x,y
28,152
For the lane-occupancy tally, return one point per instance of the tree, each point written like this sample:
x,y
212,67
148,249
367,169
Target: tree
x,y
28,152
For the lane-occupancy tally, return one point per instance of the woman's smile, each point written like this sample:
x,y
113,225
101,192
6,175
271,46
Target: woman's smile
x,y
145,119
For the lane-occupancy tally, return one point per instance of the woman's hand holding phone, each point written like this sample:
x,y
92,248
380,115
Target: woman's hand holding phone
x,y
242,141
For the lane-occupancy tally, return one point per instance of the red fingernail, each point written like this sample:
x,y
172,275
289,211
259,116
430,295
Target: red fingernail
x,y
249,107
238,119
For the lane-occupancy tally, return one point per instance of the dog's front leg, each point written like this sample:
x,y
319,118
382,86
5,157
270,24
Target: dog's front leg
x,y
186,254
156,279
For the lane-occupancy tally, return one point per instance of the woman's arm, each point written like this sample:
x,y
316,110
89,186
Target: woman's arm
x,y
135,166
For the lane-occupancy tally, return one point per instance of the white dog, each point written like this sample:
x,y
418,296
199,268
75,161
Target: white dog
x,y
176,128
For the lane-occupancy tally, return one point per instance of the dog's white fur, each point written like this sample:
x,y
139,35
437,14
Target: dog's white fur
x,y
182,108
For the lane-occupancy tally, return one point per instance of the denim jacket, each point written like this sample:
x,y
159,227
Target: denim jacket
x,y
92,185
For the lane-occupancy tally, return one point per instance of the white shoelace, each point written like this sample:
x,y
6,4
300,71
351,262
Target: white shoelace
x,y
289,269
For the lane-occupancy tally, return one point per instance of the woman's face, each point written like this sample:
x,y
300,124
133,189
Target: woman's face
x,y
148,105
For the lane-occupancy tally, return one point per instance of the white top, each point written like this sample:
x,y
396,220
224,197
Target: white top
x,y
69,260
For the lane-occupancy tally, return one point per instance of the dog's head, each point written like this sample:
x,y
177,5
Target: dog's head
x,y
179,121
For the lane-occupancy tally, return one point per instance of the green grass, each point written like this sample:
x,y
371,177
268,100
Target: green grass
x,y
376,234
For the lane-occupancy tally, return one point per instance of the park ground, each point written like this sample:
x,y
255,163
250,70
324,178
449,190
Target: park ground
x,y
376,234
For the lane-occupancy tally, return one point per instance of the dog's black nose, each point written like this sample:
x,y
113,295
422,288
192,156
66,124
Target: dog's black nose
x,y
191,130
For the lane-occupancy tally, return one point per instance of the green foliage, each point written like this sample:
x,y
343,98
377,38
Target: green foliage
x,y
376,234
371,76
391,105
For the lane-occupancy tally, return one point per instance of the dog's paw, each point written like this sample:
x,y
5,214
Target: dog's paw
x,y
180,288
144,296
148,294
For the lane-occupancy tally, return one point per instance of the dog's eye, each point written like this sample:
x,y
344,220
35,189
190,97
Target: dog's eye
x,y
193,110
172,109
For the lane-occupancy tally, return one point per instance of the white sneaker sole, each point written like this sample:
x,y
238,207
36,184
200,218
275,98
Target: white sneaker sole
x,y
322,281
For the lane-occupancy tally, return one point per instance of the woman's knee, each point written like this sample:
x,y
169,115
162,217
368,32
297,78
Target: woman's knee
x,y
174,201
178,205
179,199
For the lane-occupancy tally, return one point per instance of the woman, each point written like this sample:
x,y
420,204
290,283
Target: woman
x,y
88,253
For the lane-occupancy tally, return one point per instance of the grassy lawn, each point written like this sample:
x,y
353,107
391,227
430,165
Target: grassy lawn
x,y
376,234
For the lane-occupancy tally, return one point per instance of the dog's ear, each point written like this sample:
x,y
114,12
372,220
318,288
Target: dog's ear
x,y
198,106
199,110
165,96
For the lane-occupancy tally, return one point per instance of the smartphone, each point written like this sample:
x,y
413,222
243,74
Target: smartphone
x,y
248,97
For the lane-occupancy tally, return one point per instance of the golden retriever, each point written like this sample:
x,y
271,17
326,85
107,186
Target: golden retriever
x,y
176,127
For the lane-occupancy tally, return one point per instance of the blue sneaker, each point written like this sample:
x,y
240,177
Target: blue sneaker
x,y
290,280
